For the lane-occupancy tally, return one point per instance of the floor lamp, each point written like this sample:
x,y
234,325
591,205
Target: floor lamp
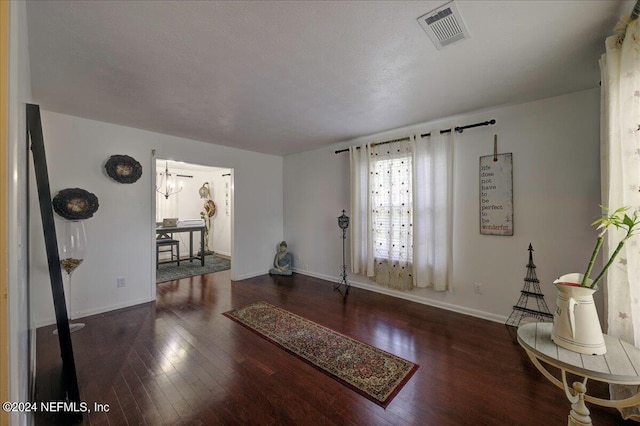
x,y
343,223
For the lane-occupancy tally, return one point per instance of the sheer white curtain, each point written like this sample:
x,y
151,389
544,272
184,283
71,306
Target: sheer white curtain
x,y
433,210
391,188
361,241
401,204
620,168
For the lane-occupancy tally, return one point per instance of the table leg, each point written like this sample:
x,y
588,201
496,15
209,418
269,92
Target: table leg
x,y
202,247
579,415
191,246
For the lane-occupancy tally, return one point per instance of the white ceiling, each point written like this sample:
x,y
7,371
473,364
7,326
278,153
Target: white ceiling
x,y
286,77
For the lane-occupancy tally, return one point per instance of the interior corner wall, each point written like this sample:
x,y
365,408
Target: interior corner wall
x,y
120,235
556,187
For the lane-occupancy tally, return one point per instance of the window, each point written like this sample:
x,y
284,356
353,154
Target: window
x,y
391,204
400,235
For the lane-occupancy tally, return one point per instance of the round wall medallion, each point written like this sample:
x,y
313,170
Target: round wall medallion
x,y
75,204
123,169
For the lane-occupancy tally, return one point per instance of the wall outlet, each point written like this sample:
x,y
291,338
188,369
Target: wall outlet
x,y
477,288
121,282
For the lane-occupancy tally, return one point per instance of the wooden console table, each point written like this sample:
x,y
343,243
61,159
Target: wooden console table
x,y
620,365
170,230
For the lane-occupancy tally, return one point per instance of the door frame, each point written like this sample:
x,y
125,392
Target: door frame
x,y
155,156
4,86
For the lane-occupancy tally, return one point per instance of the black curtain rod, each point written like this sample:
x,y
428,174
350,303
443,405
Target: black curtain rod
x,y
184,176
459,129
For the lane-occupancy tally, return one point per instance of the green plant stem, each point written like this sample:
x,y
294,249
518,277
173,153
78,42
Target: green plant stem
x,y
613,256
592,261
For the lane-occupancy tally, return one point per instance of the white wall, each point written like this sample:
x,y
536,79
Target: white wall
x,y
18,301
555,146
121,234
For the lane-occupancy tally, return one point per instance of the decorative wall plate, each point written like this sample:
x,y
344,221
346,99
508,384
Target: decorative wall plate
x,y
75,204
123,169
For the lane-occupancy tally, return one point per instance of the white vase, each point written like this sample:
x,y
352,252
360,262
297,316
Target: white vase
x,y
576,325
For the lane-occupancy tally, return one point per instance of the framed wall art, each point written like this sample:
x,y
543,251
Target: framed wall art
x,y
75,204
123,169
496,194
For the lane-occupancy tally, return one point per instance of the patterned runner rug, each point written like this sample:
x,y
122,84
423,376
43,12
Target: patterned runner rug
x,y
374,373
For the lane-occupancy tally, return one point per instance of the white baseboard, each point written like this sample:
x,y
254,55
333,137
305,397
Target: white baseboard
x,y
411,297
317,275
100,310
250,275
224,253
332,279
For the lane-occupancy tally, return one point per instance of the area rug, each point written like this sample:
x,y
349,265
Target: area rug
x,y
372,372
170,272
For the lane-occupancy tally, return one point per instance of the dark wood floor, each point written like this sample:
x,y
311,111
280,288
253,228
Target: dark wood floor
x,y
179,361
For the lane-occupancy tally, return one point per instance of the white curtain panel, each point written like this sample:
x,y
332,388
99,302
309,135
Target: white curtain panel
x,y
402,212
361,242
620,168
433,210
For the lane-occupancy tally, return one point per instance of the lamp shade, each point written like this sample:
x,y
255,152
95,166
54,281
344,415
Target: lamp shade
x,y
343,221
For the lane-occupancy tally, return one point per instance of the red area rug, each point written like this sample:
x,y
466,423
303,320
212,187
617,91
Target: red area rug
x,y
374,373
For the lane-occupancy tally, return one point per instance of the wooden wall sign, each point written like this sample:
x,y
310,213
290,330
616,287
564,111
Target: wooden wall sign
x,y
496,194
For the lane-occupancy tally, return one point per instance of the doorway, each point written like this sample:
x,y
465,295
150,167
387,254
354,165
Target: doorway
x,y
193,194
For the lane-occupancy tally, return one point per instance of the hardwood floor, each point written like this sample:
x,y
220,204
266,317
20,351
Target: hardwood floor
x,y
179,361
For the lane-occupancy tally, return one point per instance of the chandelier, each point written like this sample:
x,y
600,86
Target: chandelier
x,y
170,188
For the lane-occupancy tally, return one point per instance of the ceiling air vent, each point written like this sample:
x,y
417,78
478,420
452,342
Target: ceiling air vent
x,y
444,25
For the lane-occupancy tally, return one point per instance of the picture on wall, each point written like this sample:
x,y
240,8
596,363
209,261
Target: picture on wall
x,y
123,169
75,204
496,194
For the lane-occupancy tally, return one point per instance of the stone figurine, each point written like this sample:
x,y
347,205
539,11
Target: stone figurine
x,y
283,262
